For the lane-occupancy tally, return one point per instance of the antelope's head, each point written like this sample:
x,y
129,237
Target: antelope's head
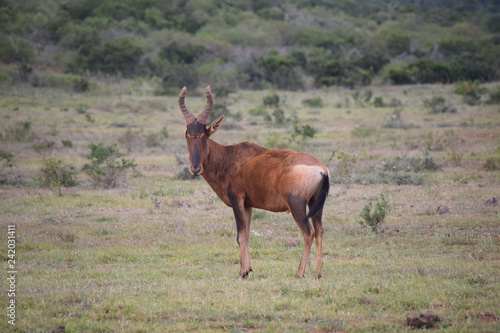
x,y
197,132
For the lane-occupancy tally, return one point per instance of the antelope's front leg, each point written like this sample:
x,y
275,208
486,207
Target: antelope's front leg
x,y
243,216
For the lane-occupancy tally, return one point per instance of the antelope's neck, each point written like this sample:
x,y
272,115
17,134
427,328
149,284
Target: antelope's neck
x,y
216,169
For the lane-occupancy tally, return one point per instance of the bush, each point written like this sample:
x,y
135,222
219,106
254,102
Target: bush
x,y
271,100
184,174
438,104
280,71
344,164
279,116
19,132
471,91
76,83
491,164
7,159
374,217
411,164
389,177
427,71
181,53
175,76
107,166
313,102
396,121
470,67
378,102
56,174
118,57
305,131
494,96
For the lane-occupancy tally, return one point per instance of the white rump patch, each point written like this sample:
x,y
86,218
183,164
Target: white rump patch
x,y
308,176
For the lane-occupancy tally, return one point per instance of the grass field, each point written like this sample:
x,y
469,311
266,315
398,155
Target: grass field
x,y
158,254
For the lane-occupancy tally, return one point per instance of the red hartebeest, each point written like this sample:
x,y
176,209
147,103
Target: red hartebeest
x,y
247,175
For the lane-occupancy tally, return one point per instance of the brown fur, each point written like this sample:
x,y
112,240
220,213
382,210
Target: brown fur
x,y
247,176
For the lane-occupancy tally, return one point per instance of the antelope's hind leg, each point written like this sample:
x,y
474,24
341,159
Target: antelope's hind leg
x,y
318,233
297,205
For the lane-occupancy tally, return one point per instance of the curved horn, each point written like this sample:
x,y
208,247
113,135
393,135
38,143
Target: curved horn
x,y
182,105
202,118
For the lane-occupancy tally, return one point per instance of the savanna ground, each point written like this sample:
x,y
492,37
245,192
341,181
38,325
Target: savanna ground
x,y
158,254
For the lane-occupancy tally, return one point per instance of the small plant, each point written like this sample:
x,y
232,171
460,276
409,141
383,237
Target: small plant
x,y
56,174
343,166
363,132
396,121
82,109
7,159
313,102
378,102
374,217
471,91
67,143
259,111
411,164
494,96
153,140
19,132
438,104
305,131
271,100
491,164
279,117
107,166
184,174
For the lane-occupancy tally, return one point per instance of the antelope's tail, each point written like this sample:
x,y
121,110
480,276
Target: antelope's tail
x,y
322,194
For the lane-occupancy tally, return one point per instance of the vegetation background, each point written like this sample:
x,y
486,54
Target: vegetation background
x,y
398,98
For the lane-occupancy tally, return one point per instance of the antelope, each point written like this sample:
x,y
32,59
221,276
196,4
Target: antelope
x,y
246,176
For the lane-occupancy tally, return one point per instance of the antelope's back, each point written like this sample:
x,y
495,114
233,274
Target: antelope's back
x,y
271,175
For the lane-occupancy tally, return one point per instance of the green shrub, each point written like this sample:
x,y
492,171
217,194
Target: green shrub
x,y
181,53
184,174
56,174
491,164
313,102
107,166
472,67
279,116
304,131
19,132
400,76
153,140
118,57
344,164
378,102
7,159
472,91
374,217
217,111
411,164
270,71
363,132
389,177
259,111
67,143
494,96
396,121
271,100
427,71
174,76
438,104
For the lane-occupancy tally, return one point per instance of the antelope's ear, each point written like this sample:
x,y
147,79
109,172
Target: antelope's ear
x,y
215,125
